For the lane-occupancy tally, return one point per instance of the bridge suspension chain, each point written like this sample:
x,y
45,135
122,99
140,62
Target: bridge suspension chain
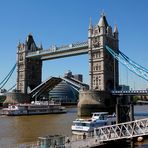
x,y
130,64
5,80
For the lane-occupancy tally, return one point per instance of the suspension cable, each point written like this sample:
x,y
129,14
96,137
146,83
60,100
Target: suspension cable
x,y
132,62
5,80
131,65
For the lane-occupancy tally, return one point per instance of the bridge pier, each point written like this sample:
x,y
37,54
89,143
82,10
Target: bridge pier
x,y
124,109
16,97
93,101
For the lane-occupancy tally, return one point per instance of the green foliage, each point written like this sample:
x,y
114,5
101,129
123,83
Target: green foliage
x,y
135,99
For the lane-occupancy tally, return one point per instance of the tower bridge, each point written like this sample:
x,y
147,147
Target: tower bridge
x,y
102,47
101,63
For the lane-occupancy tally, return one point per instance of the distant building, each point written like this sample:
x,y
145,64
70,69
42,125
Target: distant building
x,y
78,77
65,93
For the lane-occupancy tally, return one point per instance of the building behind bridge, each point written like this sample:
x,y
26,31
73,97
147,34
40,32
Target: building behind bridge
x,y
65,93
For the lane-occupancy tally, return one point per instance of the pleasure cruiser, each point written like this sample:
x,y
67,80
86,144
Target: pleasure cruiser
x,y
81,126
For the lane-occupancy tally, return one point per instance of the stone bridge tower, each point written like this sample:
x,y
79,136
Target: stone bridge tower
x,y
103,68
29,71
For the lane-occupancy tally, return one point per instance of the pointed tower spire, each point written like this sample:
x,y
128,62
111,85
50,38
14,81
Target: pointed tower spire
x,y
19,44
103,22
90,28
116,29
90,24
116,33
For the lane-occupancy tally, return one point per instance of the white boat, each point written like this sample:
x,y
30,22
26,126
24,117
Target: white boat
x,y
81,126
35,108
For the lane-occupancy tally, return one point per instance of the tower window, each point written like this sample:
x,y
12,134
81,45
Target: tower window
x,y
96,80
97,67
99,53
99,81
94,67
94,55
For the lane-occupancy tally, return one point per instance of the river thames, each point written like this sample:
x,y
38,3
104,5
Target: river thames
x,y
21,129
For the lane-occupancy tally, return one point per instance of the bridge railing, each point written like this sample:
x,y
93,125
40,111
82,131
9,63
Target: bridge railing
x,y
130,92
125,130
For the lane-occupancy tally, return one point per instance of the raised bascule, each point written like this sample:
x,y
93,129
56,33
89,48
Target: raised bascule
x,y
102,47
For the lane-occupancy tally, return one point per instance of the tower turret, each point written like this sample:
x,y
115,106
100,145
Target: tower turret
x,y
90,32
116,33
90,29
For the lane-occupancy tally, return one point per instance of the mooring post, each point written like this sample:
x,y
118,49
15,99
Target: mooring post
x,y
131,115
117,110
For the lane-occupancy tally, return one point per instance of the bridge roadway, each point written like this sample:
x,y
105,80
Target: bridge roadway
x,y
59,52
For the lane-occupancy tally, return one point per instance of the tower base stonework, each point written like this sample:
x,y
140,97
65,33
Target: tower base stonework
x,y
16,97
94,101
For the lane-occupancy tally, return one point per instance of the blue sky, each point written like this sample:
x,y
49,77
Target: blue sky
x,y
65,21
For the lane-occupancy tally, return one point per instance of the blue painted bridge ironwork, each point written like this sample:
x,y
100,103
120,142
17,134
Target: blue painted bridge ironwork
x,y
130,92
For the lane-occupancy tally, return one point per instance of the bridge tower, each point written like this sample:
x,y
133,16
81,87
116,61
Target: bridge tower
x,y
29,71
103,68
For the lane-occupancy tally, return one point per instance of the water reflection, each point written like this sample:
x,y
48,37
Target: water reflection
x,y
21,129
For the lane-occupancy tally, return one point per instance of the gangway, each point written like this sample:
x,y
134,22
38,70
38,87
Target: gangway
x,y
126,130
115,132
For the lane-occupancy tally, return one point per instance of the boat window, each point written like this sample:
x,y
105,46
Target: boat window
x,y
82,124
13,106
101,117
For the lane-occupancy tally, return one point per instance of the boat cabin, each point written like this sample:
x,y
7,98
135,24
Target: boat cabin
x,y
100,115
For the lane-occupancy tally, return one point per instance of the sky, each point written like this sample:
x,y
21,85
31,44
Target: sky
x,y
62,22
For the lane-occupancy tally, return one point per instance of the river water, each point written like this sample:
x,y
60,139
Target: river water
x,y
21,129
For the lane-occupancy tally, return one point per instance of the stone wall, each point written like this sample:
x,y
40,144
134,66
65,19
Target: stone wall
x,y
16,97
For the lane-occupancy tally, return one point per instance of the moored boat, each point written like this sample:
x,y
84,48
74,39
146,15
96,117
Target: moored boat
x,y
81,126
34,108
